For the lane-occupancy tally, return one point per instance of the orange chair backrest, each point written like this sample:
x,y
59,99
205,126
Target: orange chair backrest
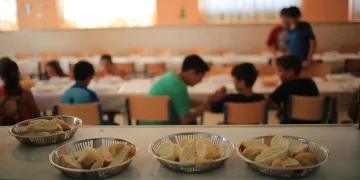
x,y
268,70
197,51
246,113
80,54
125,67
139,51
163,52
259,51
307,108
104,51
316,70
155,68
88,113
214,71
21,56
149,108
222,52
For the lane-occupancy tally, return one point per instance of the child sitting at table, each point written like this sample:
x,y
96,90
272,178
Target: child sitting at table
x,y
53,69
79,93
108,68
244,76
289,68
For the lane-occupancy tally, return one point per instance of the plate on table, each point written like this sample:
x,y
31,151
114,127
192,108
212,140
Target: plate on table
x,y
110,80
339,77
350,86
44,88
59,80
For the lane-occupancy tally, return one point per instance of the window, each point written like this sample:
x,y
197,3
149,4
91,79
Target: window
x,y
8,15
354,10
238,11
107,13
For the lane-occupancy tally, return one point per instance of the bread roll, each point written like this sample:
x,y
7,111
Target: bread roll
x,y
277,163
88,157
120,157
253,143
99,162
49,126
297,149
64,125
186,141
115,148
252,152
168,151
207,150
280,141
39,121
105,154
270,154
76,154
69,162
188,154
306,159
291,163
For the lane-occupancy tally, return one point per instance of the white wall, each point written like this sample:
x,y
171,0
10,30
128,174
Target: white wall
x,y
240,38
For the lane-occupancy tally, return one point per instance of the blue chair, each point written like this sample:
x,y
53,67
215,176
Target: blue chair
x,y
149,109
310,110
246,113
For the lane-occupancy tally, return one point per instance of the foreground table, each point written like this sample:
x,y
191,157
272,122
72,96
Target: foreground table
x,y
18,161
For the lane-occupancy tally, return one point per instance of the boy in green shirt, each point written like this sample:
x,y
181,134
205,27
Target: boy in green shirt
x,y
175,85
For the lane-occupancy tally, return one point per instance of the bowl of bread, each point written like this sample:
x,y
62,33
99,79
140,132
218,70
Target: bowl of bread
x,y
283,156
46,130
94,158
192,151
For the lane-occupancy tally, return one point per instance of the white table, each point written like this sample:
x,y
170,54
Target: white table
x,y
18,161
113,96
174,62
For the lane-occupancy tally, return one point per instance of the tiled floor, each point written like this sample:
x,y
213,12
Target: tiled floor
x,y
213,119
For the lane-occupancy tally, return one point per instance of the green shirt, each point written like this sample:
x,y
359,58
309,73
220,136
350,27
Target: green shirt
x,y
171,85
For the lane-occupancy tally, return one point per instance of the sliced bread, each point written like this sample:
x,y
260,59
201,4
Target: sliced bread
x,y
280,141
207,150
120,157
252,152
168,150
298,148
253,143
270,154
115,148
291,163
69,162
188,154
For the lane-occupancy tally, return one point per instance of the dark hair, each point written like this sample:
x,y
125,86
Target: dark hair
x,y
196,63
246,72
293,12
9,72
284,12
56,66
83,70
290,62
106,57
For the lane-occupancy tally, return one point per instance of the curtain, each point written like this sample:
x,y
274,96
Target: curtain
x,y
355,10
107,13
238,11
8,15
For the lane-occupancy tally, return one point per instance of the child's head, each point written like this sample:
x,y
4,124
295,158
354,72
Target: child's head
x,y
106,63
83,72
293,14
289,67
194,69
244,76
53,69
283,16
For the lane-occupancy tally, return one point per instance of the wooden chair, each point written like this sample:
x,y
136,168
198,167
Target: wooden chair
x,y
104,51
259,51
310,109
155,68
214,71
230,65
89,113
246,113
162,52
316,70
268,70
149,109
80,54
197,51
127,68
139,52
350,48
22,56
352,66
222,52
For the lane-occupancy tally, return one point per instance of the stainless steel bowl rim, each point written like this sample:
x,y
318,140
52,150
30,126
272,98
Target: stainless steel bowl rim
x,y
40,118
92,170
186,133
280,168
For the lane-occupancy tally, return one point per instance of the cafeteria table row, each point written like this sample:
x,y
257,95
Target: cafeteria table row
x,y
19,161
30,66
112,93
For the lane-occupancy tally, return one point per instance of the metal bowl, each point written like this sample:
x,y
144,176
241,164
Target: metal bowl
x,y
321,153
223,144
94,143
74,122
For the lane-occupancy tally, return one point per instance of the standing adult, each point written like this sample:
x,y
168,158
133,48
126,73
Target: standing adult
x,y
300,36
276,41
